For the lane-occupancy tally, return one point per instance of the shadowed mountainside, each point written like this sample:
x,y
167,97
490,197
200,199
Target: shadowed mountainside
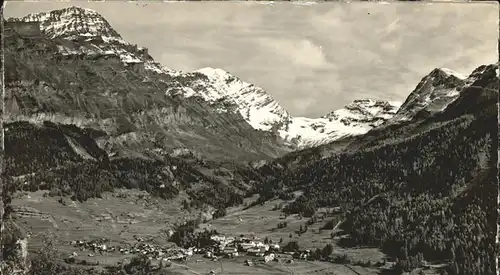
x,y
132,108
424,189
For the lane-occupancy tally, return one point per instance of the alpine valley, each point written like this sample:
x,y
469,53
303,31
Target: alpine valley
x,y
115,164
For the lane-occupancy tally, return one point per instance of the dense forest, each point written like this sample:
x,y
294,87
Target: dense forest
x,y
66,161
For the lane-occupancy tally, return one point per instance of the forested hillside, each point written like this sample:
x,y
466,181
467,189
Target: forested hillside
x,y
422,190
80,122
67,161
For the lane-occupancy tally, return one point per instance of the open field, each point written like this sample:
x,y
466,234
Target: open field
x,y
237,266
117,216
262,221
124,214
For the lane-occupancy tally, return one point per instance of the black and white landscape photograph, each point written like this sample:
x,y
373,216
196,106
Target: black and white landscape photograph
x,y
257,138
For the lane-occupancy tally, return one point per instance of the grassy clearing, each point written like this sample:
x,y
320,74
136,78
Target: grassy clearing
x,y
237,266
117,216
262,221
121,215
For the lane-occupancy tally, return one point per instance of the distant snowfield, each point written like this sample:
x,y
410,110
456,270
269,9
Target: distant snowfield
x,y
264,113
452,72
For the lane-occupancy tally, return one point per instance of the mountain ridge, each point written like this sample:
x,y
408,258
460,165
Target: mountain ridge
x,y
257,107
413,189
229,94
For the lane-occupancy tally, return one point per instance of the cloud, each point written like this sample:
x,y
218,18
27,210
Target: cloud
x,y
393,26
303,105
301,52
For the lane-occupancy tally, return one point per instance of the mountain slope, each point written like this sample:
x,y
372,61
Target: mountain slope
x,y
94,85
422,189
264,113
93,37
434,92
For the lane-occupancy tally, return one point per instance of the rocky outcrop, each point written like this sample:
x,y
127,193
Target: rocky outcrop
x,y
433,94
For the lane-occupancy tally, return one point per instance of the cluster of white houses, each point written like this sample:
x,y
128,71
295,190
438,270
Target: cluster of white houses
x,y
232,247
101,246
222,247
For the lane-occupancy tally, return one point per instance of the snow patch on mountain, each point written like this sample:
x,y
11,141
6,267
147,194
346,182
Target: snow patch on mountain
x,y
264,113
76,23
433,94
258,108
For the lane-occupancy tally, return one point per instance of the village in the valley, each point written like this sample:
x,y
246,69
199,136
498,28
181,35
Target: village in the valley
x,y
216,249
223,247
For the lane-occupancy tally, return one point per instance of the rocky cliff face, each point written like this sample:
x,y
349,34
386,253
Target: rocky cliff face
x,y
434,92
79,24
81,72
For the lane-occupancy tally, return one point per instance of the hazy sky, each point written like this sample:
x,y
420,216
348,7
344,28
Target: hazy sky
x,y
312,59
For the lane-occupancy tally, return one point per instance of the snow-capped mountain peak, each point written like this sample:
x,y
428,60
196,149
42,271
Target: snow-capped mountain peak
x,y
366,108
81,24
93,35
264,113
215,73
433,94
260,109
73,22
452,73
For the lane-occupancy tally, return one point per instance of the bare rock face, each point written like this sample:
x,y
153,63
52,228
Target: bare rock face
x,y
433,94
